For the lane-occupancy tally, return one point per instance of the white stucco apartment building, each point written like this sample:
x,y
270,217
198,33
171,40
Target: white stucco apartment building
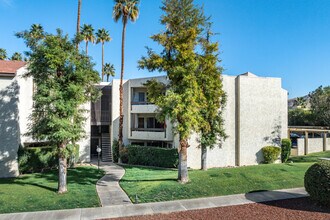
x,y
255,116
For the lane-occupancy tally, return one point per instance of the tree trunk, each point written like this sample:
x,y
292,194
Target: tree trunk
x,y
86,48
102,61
78,21
121,116
183,168
203,157
62,171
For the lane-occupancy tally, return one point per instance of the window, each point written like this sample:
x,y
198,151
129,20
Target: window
x,y
142,97
159,124
151,123
141,123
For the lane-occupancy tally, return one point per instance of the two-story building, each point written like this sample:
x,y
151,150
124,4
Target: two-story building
x,y
255,116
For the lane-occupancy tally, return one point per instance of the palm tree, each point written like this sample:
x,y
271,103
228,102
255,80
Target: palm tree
x,y
3,54
126,10
109,70
87,32
78,22
37,31
102,37
17,56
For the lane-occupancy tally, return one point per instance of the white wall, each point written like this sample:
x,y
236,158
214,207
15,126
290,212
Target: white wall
x,y
255,115
314,145
85,142
262,116
9,126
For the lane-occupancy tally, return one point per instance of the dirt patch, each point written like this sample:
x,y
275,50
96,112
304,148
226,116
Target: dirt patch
x,y
301,208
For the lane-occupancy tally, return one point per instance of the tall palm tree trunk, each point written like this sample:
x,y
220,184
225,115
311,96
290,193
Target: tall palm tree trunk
x,y
102,61
121,117
86,48
183,168
78,21
62,171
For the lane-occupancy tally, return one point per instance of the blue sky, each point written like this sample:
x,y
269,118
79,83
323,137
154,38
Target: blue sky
x,y
279,38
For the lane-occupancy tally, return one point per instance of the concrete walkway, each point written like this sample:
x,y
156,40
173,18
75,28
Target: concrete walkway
x,y
159,207
108,188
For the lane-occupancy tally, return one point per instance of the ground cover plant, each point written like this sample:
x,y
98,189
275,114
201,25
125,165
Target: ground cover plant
x,y
37,192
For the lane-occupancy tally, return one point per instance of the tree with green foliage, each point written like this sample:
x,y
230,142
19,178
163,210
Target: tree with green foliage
x,y
109,70
301,102
320,105
209,73
182,99
33,36
102,37
16,56
64,81
301,117
87,34
3,54
125,10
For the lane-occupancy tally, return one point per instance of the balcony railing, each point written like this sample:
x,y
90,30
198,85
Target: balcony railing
x,y
149,129
100,117
142,103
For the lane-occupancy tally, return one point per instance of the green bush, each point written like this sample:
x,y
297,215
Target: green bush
x,y
152,156
36,159
317,182
124,155
115,151
271,153
286,149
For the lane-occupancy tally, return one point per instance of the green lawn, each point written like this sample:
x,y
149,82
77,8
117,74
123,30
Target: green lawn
x,y
313,157
36,192
151,185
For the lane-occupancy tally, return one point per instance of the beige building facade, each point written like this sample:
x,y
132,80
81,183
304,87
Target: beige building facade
x,y
255,116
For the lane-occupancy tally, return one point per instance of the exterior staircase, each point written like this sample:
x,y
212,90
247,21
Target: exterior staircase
x,y
106,148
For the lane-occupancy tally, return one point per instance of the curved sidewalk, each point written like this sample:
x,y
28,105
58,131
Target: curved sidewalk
x,y
108,188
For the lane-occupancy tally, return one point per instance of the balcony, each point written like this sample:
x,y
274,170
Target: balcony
x,y
148,134
143,107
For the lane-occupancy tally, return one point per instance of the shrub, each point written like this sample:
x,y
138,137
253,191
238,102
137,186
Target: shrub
x,y
152,156
115,151
124,155
317,182
286,149
271,153
36,159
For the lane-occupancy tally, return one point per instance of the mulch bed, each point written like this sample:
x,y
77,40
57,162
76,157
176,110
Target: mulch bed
x,y
301,208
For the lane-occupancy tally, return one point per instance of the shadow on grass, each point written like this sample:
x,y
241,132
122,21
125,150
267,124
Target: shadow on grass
x,y
76,176
303,203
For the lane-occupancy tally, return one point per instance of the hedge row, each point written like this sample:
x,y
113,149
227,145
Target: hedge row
x,y
150,156
36,159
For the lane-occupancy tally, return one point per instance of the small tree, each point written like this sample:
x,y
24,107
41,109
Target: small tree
x,y
64,81
212,131
183,100
320,105
3,54
17,56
